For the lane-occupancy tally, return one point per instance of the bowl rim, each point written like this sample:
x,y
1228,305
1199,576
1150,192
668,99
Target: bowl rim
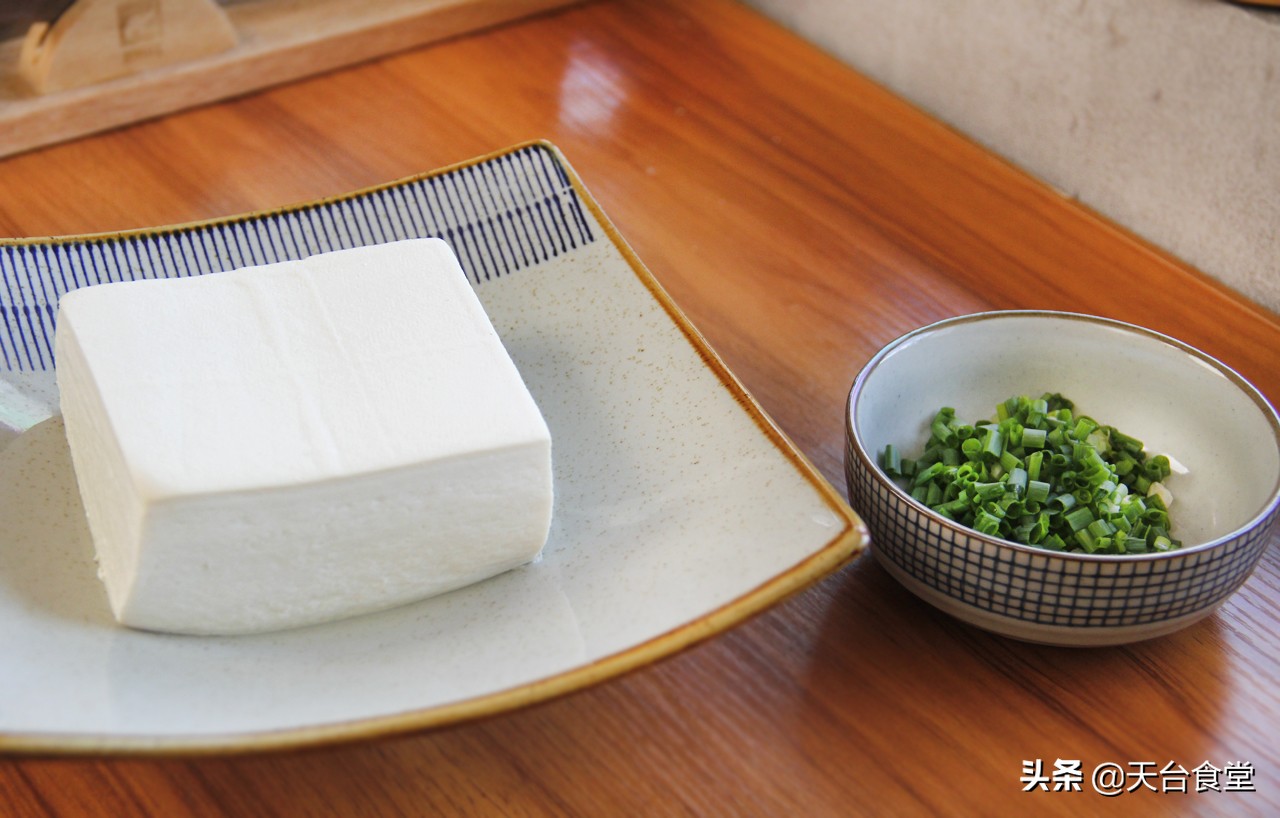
x,y
870,460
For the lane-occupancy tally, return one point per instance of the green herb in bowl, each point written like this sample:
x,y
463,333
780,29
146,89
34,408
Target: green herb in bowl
x,y
1041,475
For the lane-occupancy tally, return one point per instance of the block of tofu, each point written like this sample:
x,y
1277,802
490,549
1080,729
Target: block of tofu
x,y
283,445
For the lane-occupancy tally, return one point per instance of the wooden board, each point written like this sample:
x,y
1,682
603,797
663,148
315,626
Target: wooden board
x,y
279,41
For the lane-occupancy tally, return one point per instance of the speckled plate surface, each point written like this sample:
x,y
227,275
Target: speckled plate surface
x,y
680,509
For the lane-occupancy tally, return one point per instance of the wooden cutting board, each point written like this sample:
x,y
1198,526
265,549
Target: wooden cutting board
x,y
271,42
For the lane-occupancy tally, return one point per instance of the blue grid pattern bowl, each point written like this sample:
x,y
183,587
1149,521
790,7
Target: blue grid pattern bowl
x,y
1175,398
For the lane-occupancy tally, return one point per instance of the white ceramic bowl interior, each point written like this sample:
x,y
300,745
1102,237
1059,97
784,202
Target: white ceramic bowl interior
x,y
1175,399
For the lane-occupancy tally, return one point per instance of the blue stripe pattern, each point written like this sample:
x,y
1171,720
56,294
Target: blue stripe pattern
x,y
500,216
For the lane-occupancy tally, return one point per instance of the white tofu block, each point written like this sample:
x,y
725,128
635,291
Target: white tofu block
x,y
283,445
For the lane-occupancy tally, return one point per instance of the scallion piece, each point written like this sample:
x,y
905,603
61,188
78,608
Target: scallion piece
x,y
891,461
993,444
1037,491
1078,518
1034,438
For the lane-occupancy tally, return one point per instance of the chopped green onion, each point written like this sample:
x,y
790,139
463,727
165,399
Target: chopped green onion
x,y
933,494
1078,518
1101,528
929,473
1034,438
1037,491
987,523
891,461
1040,474
1034,462
1009,461
993,444
1017,480
1063,502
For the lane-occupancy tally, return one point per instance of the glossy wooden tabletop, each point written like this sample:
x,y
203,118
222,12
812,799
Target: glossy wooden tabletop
x,y
802,217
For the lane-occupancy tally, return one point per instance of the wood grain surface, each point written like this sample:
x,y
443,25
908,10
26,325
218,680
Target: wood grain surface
x,y
802,217
255,44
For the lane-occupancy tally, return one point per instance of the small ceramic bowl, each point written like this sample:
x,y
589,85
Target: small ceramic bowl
x,y
1174,398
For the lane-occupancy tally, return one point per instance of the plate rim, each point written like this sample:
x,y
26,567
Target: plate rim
x,y
848,542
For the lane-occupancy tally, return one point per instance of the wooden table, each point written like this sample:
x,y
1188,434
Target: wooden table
x,y
803,217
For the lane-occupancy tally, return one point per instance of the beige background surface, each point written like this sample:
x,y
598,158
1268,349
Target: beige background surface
x,y
1164,115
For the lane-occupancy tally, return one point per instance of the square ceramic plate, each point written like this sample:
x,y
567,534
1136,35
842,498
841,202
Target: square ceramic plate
x,y
680,509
